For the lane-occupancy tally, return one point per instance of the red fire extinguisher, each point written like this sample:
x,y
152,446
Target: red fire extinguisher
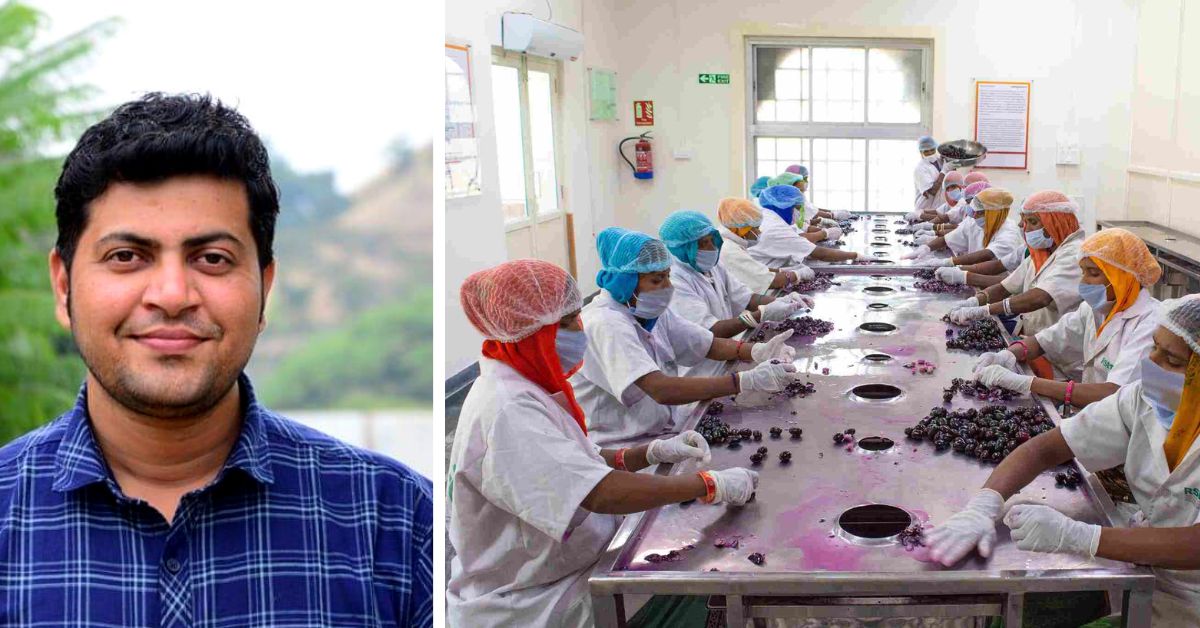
x,y
643,154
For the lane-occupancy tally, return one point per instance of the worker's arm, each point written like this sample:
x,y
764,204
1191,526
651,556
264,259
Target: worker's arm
x,y
635,457
990,267
676,391
1018,469
940,219
814,236
1172,548
730,327
995,294
827,254
937,185
623,493
757,300
1034,349
936,244
783,278
980,256
1081,395
1029,301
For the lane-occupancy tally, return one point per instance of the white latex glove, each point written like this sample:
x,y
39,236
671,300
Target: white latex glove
x,y
777,310
913,215
925,239
948,167
923,233
964,315
804,300
774,349
767,377
997,375
841,214
803,273
967,302
951,275
972,528
1003,357
825,222
833,233
920,251
1038,528
684,446
944,262
923,226
734,486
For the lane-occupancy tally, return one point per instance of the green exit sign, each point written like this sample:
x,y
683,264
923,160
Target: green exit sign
x,y
714,79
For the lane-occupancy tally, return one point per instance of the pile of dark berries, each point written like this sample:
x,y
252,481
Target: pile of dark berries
x,y
988,434
731,541
937,285
923,273
796,389
912,537
953,152
759,455
785,457
904,231
1068,479
844,437
714,430
757,558
670,556
980,335
973,389
803,326
821,281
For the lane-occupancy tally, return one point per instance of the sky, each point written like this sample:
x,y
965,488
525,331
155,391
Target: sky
x,y
329,85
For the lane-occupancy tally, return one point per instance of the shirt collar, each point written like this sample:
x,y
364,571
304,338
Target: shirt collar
x,y
80,463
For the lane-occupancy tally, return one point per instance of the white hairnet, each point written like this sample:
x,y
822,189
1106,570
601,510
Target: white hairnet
x,y
1182,317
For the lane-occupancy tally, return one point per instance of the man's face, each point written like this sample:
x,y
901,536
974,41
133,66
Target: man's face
x,y
164,295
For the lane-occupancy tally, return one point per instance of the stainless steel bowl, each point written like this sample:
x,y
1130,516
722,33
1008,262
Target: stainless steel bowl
x,y
975,149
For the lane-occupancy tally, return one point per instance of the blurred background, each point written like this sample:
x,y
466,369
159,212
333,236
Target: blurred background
x,y
348,347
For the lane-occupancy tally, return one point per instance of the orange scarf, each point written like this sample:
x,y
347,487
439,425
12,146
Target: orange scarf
x,y
1058,225
1187,418
1125,287
536,358
992,221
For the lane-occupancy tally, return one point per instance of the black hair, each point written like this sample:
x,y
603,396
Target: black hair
x,y
157,137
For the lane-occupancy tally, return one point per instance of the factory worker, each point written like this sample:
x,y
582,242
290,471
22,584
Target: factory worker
x,y
823,214
1046,284
814,232
629,385
956,214
779,245
533,504
927,177
741,222
1150,426
759,185
991,271
952,189
706,294
989,235
1107,336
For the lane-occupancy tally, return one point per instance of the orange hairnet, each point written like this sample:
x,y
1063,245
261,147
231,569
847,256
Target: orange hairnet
x,y
1122,249
1058,216
738,213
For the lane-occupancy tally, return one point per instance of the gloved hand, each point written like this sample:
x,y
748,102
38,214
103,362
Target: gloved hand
x,y
922,233
967,302
833,233
803,273
973,528
826,223
734,486
964,315
951,275
920,251
789,277
923,226
913,216
684,446
1003,357
948,167
944,262
777,310
997,375
1038,528
925,239
767,376
773,349
804,300
841,214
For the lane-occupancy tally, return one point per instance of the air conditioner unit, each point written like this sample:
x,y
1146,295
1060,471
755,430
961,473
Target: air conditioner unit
x,y
522,32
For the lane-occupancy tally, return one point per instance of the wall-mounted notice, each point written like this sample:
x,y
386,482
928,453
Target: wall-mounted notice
x,y
643,113
603,94
462,146
1002,123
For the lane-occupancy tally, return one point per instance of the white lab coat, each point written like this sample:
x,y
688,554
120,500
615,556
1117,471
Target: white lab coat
x,y
619,352
704,300
955,213
923,177
519,470
1059,277
1123,429
1116,355
1007,245
735,257
779,244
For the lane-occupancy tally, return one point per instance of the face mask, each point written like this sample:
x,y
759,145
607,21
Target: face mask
x,y
1162,389
651,305
980,220
931,158
570,346
705,260
954,195
751,241
1095,295
1038,239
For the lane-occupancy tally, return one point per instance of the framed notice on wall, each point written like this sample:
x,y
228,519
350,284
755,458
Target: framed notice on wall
x,y
462,145
1002,123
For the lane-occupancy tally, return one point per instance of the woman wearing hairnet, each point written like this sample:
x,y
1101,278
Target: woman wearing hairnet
x,y
1150,426
706,294
1107,336
779,245
629,385
759,185
987,236
816,230
824,216
741,224
928,176
1046,284
532,502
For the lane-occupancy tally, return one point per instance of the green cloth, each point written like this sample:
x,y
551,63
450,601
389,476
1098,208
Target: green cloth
x,y
672,611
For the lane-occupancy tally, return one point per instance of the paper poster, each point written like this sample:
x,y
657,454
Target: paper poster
x,y
1002,123
462,146
603,94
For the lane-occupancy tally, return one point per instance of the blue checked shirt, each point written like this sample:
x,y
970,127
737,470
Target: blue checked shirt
x,y
298,529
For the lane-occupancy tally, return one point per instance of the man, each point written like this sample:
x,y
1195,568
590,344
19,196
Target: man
x,y
927,178
168,496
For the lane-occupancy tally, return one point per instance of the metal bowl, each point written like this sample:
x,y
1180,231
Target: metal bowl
x,y
975,149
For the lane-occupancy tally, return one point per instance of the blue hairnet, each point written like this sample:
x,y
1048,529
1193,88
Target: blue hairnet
x,y
926,142
782,199
681,232
760,184
625,254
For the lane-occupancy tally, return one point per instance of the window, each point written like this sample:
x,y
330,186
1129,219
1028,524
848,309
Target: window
x,y
525,93
850,110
